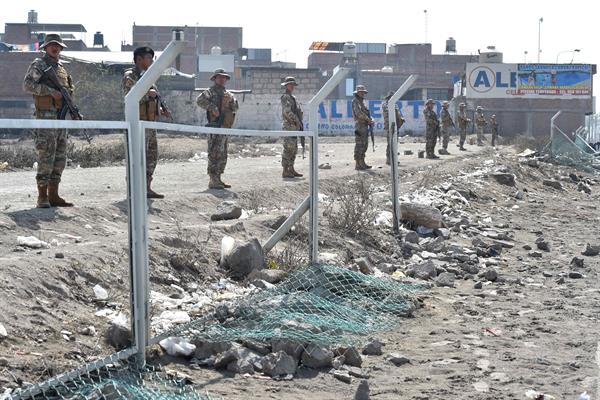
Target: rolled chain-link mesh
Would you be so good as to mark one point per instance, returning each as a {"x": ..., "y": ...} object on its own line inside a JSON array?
[
  {"x": 121, "y": 381},
  {"x": 321, "y": 304}
]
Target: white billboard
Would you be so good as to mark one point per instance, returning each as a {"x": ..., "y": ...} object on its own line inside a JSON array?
[{"x": 534, "y": 81}]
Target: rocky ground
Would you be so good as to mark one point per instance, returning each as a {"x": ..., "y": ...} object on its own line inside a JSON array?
[{"x": 511, "y": 304}]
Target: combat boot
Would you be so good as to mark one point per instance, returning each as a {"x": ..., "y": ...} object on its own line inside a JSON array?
[
  {"x": 215, "y": 183},
  {"x": 42, "y": 200},
  {"x": 151, "y": 194},
  {"x": 225, "y": 185},
  {"x": 359, "y": 165},
  {"x": 296, "y": 173},
  {"x": 54, "y": 199},
  {"x": 287, "y": 173},
  {"x": 365, "y": 165}
]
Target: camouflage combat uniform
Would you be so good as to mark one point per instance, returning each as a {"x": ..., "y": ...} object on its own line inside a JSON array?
[
  {"x": 386, "y": 124},
  {"x": 480, "y": 122},
  {"x": 292, "y": 121},
  {"x": 361, "y": 115},
  {"x": 50, "y": 144},
  {"x": 463, "y": 123},
  {"x": 212, "y": 99},
  {"x": 432, "y": 127},
  {"x": 494, "y": 124},
  {"x": 446, "y": 123},
  {"x": 149, "y": 111}
]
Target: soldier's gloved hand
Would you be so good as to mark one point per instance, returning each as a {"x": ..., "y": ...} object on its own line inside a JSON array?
[
  {"x": 165, "y": 112},
  {"x": 56, "y": 95},
  {"x": 152, "y": 93},
  {"x": 215, "y": 112}
]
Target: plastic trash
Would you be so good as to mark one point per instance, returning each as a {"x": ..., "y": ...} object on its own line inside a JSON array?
[
  {"x": 32, "y": 242},
  {"x": 535, "y": 395},
  {"x": 100, "y": 293},
  {"x": 584, "y": 396},
  {"x": 227, "y": 244},
  {"x": 176, "y": 346}
]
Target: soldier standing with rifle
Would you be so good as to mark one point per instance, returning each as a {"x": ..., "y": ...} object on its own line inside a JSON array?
[
  {"x": 446, "y": 122},
  {"x": 463, "y": 123},
  {"x": 151, "y": 107},
  {"x": 480, "y": 122},
  {"x": 386, "y": 123},
  {"x": 362, "y": 123},
  {"x": 292, "y": 121},
  {"x": 220, "y": 106},
  {"x": 432, "y": 129},
  {"x": 51, "y": 86},
  {"x": 494, "y": 124}
]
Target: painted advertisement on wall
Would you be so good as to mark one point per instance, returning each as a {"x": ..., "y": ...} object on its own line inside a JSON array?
[
  {"x": 335, "y": 116},
  {"x": 547, "y": 81}
]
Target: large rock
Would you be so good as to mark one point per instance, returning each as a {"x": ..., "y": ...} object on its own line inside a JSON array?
[
  {"x": 268, "y": 275},
  {"x": 591, "y": 251},
  {"x": 317, "y": 356},
  {"x": 397, "y": 359},
  {"x": 279, "y": 363},
  {"x": 244, "y": 258},
  {"x": 362, "y": 392},
  {"x": 421, "y": 214},
  {"x": 351, "y": 355},
  {"x": 373, "y": 348},
  {"x": 118, "y": 334},
  {"x": 504, "y": 178},
  {"x": 552, "y": 183},
  {"x": 289, "y": 347},
  {"x": 226, "y": 210},
  {"x": 207, "y": 349},
  {"x": 445, "y": 279},
  {"x": 425, "y": 270}
]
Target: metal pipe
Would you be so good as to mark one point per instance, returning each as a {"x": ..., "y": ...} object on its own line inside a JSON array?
[
  {"x": 136, "y": 195},
  {"x": 287, "y": 225},
  {"x": 60, "y": 124},
  {"x": 553, "y": 124},
  {"x": 313, "y": 120},
  {"x": 219, "y": 131},
  {"x": 394, "y": 148}
]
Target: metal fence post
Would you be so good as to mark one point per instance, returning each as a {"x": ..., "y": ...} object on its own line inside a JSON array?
[
  {"x": 313, "y": 119},
  {"x": 394, "y": 148},
  {"x": 136, "y": 195}
]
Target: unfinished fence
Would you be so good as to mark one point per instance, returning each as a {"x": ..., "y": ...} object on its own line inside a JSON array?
[{"x": 341, "y": 306}]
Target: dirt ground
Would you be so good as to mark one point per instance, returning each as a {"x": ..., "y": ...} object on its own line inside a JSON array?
[{"x": 535, "y": 327}]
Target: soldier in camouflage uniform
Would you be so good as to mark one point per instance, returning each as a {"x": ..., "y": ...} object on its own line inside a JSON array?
[
  {"x": 432, "y": 128},
  {"x": 362, "y": 120},
  {"x": 480, "y": 123},
  {"x": 50, "y": 144},
  {"x": 386, "y": 123},
  {"x": 292, "y": 121},
  {"x": 150, "y": 110},
  {"x": 446, "y": 122},
  {"x": 463, "y": 123},
  {"x": 494, "y": 124},
  {"x": 220, "y": 106}
]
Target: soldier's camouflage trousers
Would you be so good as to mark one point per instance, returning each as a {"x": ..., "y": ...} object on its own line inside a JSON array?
[
  {"x": 463, "y": 136},
  {"x": 51, "y": 147},
  {"x": 445, "y": 137},
  {"x": 494, "y": 138},
  {"x": 151, "y": 153},
  {"x": 430, "y": 141},
  {"x": 480, "y": 134},
  {"x": 361, "y": 141},
  {"x": 217, "y": 154},
  {"x": 290, "y": 149}
]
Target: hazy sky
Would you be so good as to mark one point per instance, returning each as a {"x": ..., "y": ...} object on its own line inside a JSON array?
[{"x": 289, "y": 27}]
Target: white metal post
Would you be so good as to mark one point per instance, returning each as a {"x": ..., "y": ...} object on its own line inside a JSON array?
[
  {"x": 313, "y": 120},
  {"x": 136, "y": 195},
  {"x": 394, "y": 147}
]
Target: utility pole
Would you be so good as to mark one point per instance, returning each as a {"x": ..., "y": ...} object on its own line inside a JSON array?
[{"x": 425, "y": 13}]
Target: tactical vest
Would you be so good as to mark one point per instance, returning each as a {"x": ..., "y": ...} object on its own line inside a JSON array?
[
  {"x": 47, "y": 103},
  {"x": 149, "y": 110}
]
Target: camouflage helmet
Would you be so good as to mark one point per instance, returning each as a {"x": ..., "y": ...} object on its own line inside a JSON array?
[
  {"x": 361, "y": 89},
  {"x": 220, "y": 72},
  {"x": 445, "y": 103},
  {"x": 389, "y": 95},
  {"x": 462, "y": 105},
  {"x": 53, "y": 38},
  {"x": 429, "y": 101},
  {"x": 493, "y": 115},
  {"x": 479, "y": 108},
  {"x": 289, "y": 80}
]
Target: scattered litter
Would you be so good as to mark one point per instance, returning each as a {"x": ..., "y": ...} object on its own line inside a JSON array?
[
  {"x": 32, "y": 242},
  {"x": 176, "y": 346},
  {"x": 325, "y": 166},
  {"x": 384, "y": 218},
  {"x": 3, "y": 332},
  {"x": 535, "y": 395},
  {"x": 100, "y": 293}
]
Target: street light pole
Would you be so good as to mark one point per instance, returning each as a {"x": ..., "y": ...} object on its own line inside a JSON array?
[
  {"x": 525, "y": 54},
  {"x": 568, "y": 51},
  {"x": 539, "y": 38}
]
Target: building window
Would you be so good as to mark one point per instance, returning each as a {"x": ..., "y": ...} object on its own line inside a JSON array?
[
  {"x": 413, "y": 94},
  {"x": 439, "y": 94}
]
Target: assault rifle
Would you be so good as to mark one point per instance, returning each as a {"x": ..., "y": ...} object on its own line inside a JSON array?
[{"x": 68, "y": 106}]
